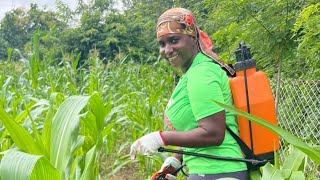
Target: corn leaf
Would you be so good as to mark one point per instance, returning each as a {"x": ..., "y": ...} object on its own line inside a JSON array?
[
  {"x": 34, "y": 61},
  {"x": 9, "y": 51},
  {"x": 255, "y": 175},
  {"x": 19, "y": 135},
  {"x": 46, "y": 132},
  {"x": 38, "y": 139},
  {"x": 89, "y": 125},
  {"x": 98, "y": 110},
  {"x": 270, "y": 173},
  {"x": 108, "y": 129},
  {"x": 75, "y": 173},
  {"x": 19, "y": 165},
  {"x": 18, "y": 119},
  {"x": 64, "y": 133},
  {"x": 295, "y": 141},
  {"x": 47, "y": 125},
  {"x": 294, "y": 160},
  {"x": 78, "y": 144},
  {"x": 297, "y": 175},
  {"x": 276, "y": 158},
  {"x": 91, "y": 157}
]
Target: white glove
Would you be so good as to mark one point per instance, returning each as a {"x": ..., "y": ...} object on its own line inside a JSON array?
[
  {"x": 147, "y": 144},
  {"x": 171, "y": 177},
  {"x": 174, "y": 162},
  {"x": 170, "y": 161}
]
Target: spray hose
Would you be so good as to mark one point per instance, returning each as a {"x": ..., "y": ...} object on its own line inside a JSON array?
[{"x": 252, "y": 161}]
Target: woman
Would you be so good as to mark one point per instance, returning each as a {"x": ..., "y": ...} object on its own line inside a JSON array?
[{"x": 197, "y": 124}]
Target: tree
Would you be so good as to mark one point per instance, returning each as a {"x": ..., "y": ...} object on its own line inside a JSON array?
[
  {"x": 306, "y": 32},
  {"x": 90, "y": 32},
  {"x": 265, "y": 25},
  {"x": 18, "y": 27},
  {"x": 12, "y": 31}
]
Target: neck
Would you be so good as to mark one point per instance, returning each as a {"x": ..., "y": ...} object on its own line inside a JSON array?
[{"x": 187, "y": 66}]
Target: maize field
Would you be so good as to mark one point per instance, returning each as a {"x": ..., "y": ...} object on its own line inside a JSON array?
[{"x": 61, "y": 119}]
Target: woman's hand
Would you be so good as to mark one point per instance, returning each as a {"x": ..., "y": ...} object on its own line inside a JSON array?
[
  {"x": 147, "y": 144},
  {"x": 168, "y": 167}
]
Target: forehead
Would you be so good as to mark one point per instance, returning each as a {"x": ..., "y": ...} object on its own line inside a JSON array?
[
  {"x": 170, "y": 27},
  {"x": 167, "y": 37}
]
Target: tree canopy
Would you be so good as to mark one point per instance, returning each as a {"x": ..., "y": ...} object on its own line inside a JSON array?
[{"x": 283, "y": 35}]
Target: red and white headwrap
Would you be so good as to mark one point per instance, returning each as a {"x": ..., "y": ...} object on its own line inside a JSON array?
[{"x": 170, "y": 22}]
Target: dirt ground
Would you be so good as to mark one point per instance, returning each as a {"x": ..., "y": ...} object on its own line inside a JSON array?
[{"x": 126, "y": 173}]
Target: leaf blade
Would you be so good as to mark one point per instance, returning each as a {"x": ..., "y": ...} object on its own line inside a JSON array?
[{"x": 295, "y": 141}]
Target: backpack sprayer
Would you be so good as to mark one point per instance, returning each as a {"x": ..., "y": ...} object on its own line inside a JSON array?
[{"x": 251, "y": 92}]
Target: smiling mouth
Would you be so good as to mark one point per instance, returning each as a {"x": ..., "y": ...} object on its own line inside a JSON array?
[{"x": 172, "y": 58}]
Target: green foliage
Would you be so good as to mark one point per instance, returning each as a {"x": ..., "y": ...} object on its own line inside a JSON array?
[
  {"x": 18, "y": 26},
  {"x": 294, "y": 165},
  {"x": 3, "y": 48},
  {"x": 283, "y": 34},
  {"x": 306, "y": 32},
  {"x": 19, "y": 165},
  {"x": 12, "y": 30},
  {"x": 19, "y": 135},
  {"x": 104, "y": 122},
  {"x": 293, "y": 140},
  {"x": 268, "y": 27},
  {"x": 60, "y": 135},
  {"x": 110, "y": 55},
  {"x": 65, "y": 123}
]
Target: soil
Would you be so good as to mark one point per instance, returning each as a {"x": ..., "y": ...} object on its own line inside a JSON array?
[{"x": 126, "y": 173}]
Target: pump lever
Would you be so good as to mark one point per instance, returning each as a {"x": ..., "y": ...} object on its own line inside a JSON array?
[{"x": 245, "y": 51}]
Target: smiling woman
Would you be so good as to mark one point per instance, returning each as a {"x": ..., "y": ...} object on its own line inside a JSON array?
[
  {"x": 180, "y": 22},
  {"x": 197, "y": 124},
  {"x": 178, "y": 49}
]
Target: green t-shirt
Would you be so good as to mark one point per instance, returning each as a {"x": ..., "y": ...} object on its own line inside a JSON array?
[{"x": 191, "y": 101}]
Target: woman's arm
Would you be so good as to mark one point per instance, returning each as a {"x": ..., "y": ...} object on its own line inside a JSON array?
[{"x": 210, "y": 132}]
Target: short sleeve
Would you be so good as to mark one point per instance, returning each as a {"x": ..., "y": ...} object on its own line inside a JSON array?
[{"x": 204, "y": 85}]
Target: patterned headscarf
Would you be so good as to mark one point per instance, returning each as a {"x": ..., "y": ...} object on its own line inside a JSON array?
[{"x": 171, "y": 21}]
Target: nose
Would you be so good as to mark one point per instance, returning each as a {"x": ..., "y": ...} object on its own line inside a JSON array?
[{"x": 166, "y": 51}]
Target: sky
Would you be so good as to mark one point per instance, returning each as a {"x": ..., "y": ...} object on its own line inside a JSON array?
[{"x": 7, "y": 5}]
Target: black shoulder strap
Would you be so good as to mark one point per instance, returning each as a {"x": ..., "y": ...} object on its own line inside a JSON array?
[{"x": 245, "y": 149}]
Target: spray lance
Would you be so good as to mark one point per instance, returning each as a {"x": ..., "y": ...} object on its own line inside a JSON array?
[{"x": 173, "y": 171}]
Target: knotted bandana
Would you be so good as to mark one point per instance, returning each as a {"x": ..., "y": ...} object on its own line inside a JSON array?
[{"x": 180, "y": 20}]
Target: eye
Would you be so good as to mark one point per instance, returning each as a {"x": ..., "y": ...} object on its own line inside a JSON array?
[
  {"x": 161, "y": 44},
  {"x": 174, "y": 40}
]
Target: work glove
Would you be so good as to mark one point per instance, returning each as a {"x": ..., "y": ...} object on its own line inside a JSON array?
[
  {"x": 167, "y": 168},
  {"x": 147, "y": 144},
  {"x": 171, "y": 177}
]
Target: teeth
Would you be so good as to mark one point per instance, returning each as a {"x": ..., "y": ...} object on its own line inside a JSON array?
[{"x": 172, "y": 58}]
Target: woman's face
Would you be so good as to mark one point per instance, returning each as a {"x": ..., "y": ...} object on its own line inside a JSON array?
[{"x": 178, "y": 49}]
